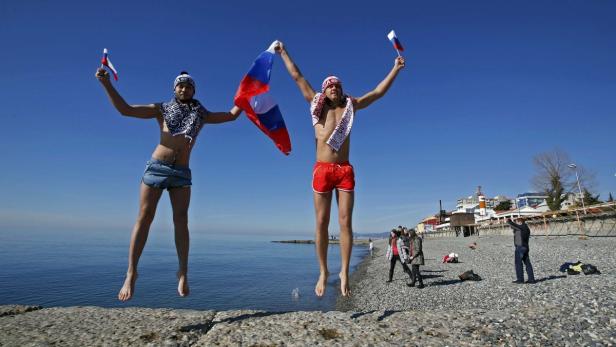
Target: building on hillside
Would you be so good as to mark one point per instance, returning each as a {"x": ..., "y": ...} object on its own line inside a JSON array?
[
  {"x": 572, "y": 201},
  {"x": 530, "y": 199},
  {"x": 481, "y": 206}
]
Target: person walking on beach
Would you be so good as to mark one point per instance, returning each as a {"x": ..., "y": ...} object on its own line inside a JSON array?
[
  {"x": 371, "y": 246},
  {"x": 332, "y": 114},
  {"x": 179, "y": 121},
  {"x": 521, "y": 235},
  {"x": 396, "y": 252},
  {"x": 416, "y": 258}
]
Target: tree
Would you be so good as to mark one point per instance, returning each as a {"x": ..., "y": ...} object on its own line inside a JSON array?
[
  {"x": 503, "y": 206},
  {"x": 589, "y": 199},
  {"x": 555, "y": 178},
  {"x": 555, "y": 193},
  {"x": 552, "y": 176}
]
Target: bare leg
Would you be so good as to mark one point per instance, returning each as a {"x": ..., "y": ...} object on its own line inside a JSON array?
[
  {"x": 148, "y": 199},
  {"x": 345, "y": 219},
  {"x": 180, "y": 199},
  {"x": 322, "y": 207}
]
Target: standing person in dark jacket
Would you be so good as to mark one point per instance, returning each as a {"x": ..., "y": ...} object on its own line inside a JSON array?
[
  {"x": 416, "y": 258},
  {"x": 396, "y": 252},
  {"x": 521, "y": 234}
]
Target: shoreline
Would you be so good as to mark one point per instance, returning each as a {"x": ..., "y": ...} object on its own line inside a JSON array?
[
  {"x": 558, "y": 310},
  {"x": 331, "y": 242},
  {"x": 360, "y": 273}
]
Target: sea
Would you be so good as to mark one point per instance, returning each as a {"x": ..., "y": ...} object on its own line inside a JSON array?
[{"x": 227, "y": 271}]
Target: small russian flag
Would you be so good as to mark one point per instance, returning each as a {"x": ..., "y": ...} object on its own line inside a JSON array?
[
  {"x": 394, "y": 40},
  {"x": 105, "y": 61}
]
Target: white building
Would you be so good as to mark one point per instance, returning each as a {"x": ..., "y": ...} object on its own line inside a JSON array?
[
  {"x": 470, "y": 204},
  {"x": 530, "y": 199}
]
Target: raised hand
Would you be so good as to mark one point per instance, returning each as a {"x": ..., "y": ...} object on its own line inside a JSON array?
[
  {"x": 102, "y": 74},
  {"x": 279, "y": 47},
  {"x": 399, "y": 63}
]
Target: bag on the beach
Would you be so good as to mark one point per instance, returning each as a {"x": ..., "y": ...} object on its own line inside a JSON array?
[
  {"x": 572, "y": 272},
  {"x": 590, "y": 269},
  {"x": 572, "y": 268},
  {"x": 565, "y": 266},
  {"x": 469, "y": 276},
  {"x": 577, "y": 267}
]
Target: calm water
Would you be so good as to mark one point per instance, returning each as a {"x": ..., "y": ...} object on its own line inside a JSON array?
[{"x": 71, "y": 268}]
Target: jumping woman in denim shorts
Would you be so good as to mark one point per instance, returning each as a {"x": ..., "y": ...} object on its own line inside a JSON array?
[{"x": 180, "y": 121}]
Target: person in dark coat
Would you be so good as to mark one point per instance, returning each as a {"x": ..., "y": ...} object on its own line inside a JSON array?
[
  {"x": 416, "y": 258},
  {"x": 521, "y": 235}
]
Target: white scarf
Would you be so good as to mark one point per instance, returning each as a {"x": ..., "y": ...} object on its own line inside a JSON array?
[{"x": 343, "y": 129}]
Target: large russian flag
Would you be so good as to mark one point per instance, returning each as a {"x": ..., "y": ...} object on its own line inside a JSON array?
[{"x": 254, "y": 98}]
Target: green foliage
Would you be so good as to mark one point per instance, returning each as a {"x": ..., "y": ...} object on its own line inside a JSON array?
[
  {"x": 589, "y": 199},
  {"x": 503, "y": 206}
]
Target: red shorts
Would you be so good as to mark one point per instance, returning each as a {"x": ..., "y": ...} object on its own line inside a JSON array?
[{"x": 327, "y": 176}]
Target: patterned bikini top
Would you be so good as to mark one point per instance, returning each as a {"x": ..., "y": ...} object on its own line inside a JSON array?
[
  {"x": 343, "y": 129},
  {"x": 182, "y": 118}
]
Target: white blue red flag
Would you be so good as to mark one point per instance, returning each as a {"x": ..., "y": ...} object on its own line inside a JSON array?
[
  {"x": 105, "y": 61},
  {"x": 394, "y": 40},
  {"x": 254, "y": 98}
]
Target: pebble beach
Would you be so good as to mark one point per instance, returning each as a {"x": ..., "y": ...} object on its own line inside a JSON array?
[{"x": 559, "y": 310}]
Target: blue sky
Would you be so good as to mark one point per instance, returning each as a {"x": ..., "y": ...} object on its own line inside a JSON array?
[{"x": 488, "y": 85}]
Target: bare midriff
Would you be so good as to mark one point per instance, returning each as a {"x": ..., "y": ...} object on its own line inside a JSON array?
[
  {"x": 323, "y": 130},
  {"x": 173, "y": 149}
]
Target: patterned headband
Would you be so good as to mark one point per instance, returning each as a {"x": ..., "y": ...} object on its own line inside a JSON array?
[
  {"x": 329, "y": 81},
  {"x": 184, "y": 78}
]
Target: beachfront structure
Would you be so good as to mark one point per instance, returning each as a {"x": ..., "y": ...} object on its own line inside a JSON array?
[
  {"x": 526, "y": 211},
  {"x": 463, "y": 223},
  {"x": 530, "y": 199},
  {"x": 479, "y": 205},
  {"x": 460, "y": 223},
  {"x": 427, "y": 225},
  {"x": 470, "y": 204},
  {"x": 572, "y": 201},
  {"x": 478, "y": 209},
  {"x": 527, "y": 205}
]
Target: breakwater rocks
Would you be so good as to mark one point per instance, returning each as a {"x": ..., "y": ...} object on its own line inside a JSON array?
[{"x": 557, "y": 311}]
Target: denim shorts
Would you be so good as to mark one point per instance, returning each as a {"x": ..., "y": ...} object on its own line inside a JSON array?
[{"x": 163, "y": 175}]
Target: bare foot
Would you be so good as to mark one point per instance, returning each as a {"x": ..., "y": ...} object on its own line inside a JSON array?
[
  {"x": 344, "y": 284},
  {"x": 126, "y": 293},
  {"x": 183, "y": 289},
  {"x": 319, "y": 289}
]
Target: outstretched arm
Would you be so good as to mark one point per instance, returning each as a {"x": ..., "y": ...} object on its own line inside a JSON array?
[
  {"x": 139, "y": 111},
  {"x": 297, "y": 76},
  {"x": 514, "y": 225},
  {"x": 222, "y": 117},
  {"x": 381, "y": 89}
]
